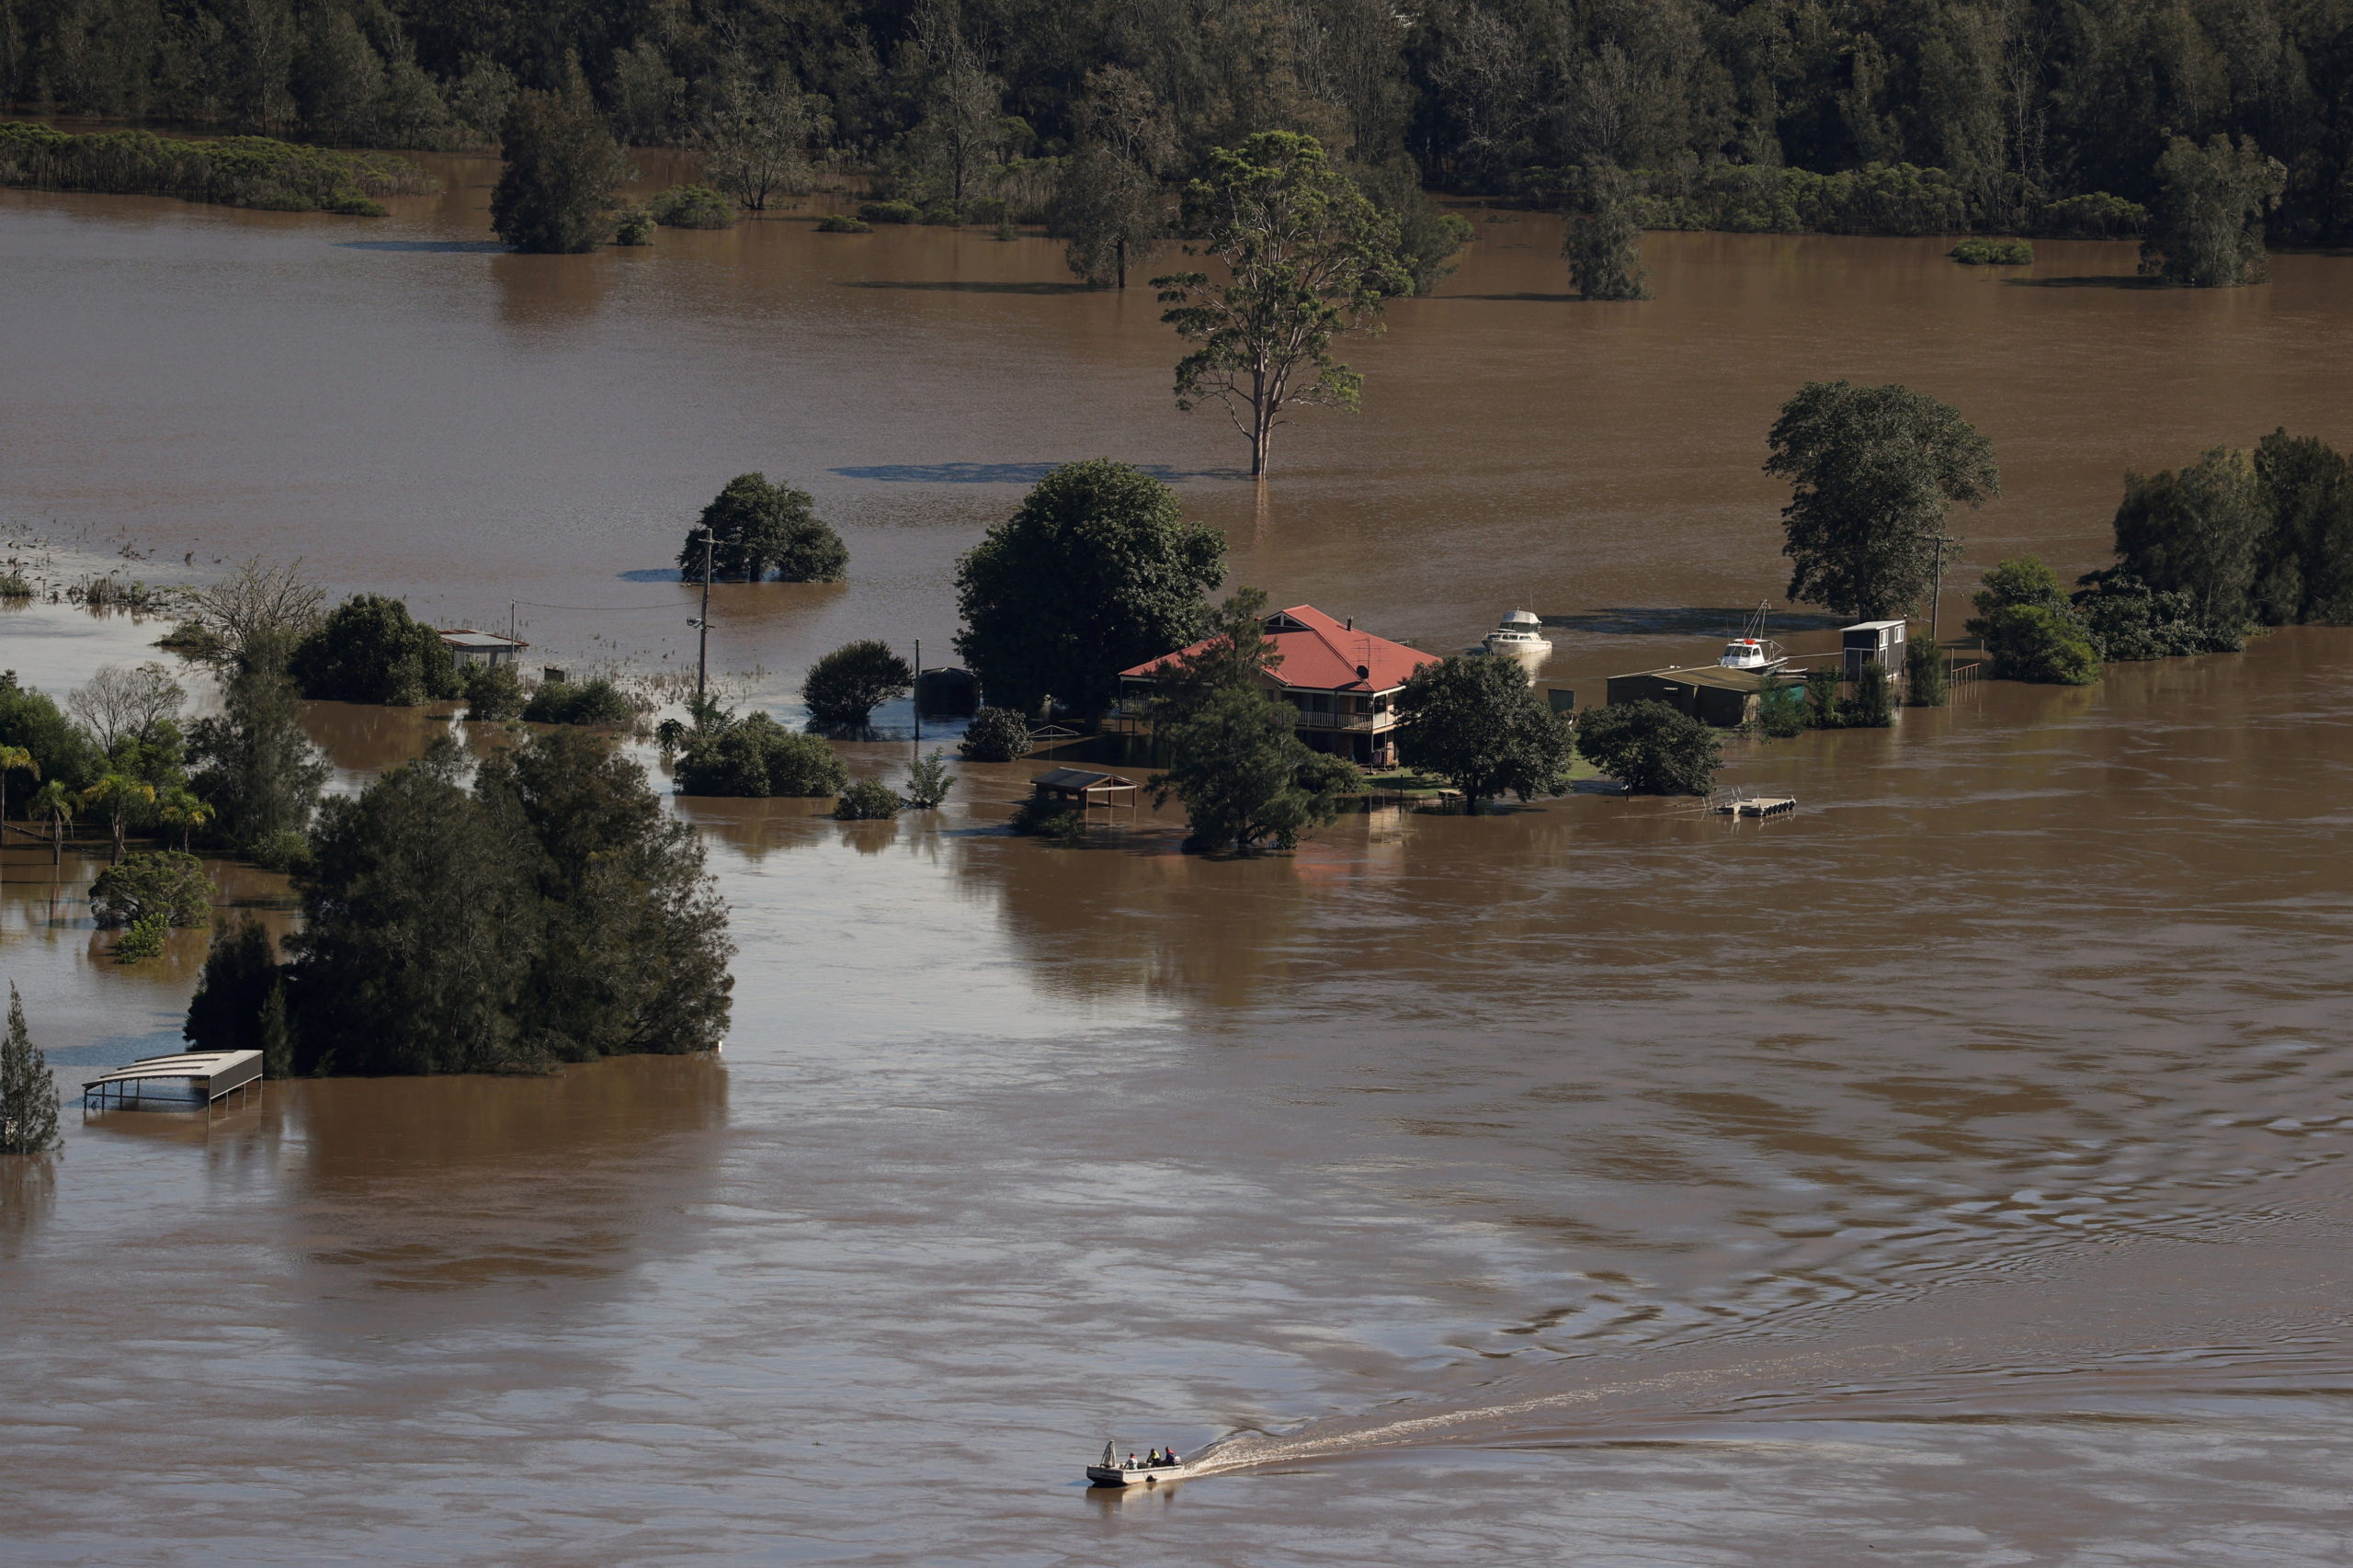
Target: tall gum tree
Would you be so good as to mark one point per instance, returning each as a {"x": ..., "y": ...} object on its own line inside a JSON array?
[{"x": 1306, "y": 258}]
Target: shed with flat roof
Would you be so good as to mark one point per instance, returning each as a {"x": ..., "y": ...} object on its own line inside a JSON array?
[
  {"x": 1710, "y": 693},
  {"x": 182, "y": 1079},
  {"x": 1083, "y": 787}
]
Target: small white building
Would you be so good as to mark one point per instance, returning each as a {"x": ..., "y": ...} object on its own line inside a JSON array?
[{"x": 470, "y": 647}]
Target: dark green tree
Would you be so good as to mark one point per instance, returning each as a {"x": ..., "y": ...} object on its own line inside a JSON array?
[
  {"x": 33, "y": 720},
  {"x": 1603, "y": 241},
  {"x": 1651, "y": 748},
  {"x": 1096, "y": 572},
  {"x": 996, "y": 735},
  {"x": 757, "y": 530},
  {"x": 2127, "y": 620},
  {"x": 1244, "y": 776},
  {"x": 2306, "y": 573},
  {"x": 562, "y": 180},
  {"x": 2199, "y": 530},
  {"x": 254, "y": 766},
  {"x": 28, "y": 1091},
  {"x": 755, "y": 755},
  {"x": 368, "y": 648},
  {"x": 1306, "y": 258},
  {"x": 2030, "y": 630},
  {"x": 1428, "y": 236},
  {"x": 1873, "y": 470},
  {"x": 634, "y": 948},
  {"x": 1873, "y": 705},
  {"x": 167, "y": 882},
  {"x": 2206, "y": 224},
  {"x": 1109, "y": 213},
  {"x": 1476, "y": 723},
  {"x": 494, "y": 692},
  {"x": 1928, "y": 674},
  {"x": 240, "y": 973},
  {"x": 846, "y": 684},
  {"x": 929, "y": 781}
]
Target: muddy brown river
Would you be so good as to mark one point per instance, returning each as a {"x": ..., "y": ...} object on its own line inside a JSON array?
[{"x": 1952, "y": 1173}]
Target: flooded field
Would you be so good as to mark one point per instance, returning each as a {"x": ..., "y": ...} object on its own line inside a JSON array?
[{"x": 1952, "y": 1173}]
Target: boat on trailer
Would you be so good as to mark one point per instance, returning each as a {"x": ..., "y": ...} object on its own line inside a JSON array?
[{"x": 1114, "y": 1472}]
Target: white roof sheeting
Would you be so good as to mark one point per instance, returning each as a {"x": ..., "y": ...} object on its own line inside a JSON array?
[{"x": 213, "y": 1073}]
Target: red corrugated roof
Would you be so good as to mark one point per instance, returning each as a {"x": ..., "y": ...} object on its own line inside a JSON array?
[{"x": 1321, "y": 654}]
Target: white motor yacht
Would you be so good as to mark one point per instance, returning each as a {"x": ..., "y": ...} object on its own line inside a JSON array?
[{"x": 1521, "y": 635}]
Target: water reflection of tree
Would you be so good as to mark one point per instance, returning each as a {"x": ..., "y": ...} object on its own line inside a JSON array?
[
  {"x": 444, "y": 1183},
  {"x": 28, "y": 1189}
]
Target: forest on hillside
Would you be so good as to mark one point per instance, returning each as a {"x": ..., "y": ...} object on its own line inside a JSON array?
[{"x": 2015, "y": 104}]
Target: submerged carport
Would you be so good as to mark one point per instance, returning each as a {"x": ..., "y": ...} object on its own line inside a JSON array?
[{"x": 183, "y": 1078}]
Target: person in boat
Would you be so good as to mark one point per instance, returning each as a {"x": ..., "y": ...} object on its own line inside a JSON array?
[
  {"x": 1170, "y": 1458},
  {"x": 1132, "y": 1460}
]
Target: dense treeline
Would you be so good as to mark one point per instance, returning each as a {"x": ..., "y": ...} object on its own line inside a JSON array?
[
  {"x": 2011, "y": 105},
  {"x": 235, "y": 171}
]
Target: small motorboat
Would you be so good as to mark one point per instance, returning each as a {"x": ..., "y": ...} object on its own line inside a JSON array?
[
  {"x": 1751, "y": 650},
  {"x": 1521, "y": 635},
  {"x": 1116, "y": 1472}
]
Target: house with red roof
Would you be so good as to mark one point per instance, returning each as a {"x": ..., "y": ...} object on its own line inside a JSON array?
[{"x": 1344, "y": 683}]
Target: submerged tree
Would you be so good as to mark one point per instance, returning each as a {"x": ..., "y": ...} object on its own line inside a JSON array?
[
  {"x": 846, "y": 684},
  {"x": 2307, "y": 570},
  {"x": 2206, "y": 225},
  {"x": 2030, "y": 631},
  {"x": 1604, "y": 243},
  {"x": 756, "y": 140},
  {"x": 2199, "y": 530},
  {"x": 1476, "y": 723},
  {"x": 28, "y": 1091},
  {"x": 1097, "y": 570},
  {"x": 1872, "y": 472},
  {"x": 240, "y": 973},
  {"x": 1651, "y": 748},
  {"x": 1108, "y": 204},
  {"x": 369, "y": 649},
  {"x": 758, "y": 529},
  {"x": 256, "y": 766},
  {"x": 564, "y": 174},
  {"x": 1307, "y": 258},
  {"x": 755, "y": 756}
]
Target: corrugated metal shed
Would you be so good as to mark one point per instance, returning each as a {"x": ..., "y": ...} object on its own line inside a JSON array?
[
  {"x": 1710, "y": 693},
  {"x": 183, "y": 1078}
]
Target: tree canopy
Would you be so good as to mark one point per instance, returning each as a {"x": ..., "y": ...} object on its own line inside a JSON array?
[
  {"x": 550, "y": 914},
  {"x": 757, "y": 530},
  {"x": 1872, "y": 472},
  {"x": 1650, "y": 747},
  {"x": 561, "y": 183},
  {"x": 1096, "y": 571},
  {"x": 2030, "y": 630},
  {"x": 1306, "y": 257},
  {"x": 755, "y": 756},
  {"x": 28, "y": 1092},
  {"x": 2206, "y": 224},
  {"x": 1473, "y": 720},
  {"x": 846, "y": 686},
  {"x": 369, "y": 649}
]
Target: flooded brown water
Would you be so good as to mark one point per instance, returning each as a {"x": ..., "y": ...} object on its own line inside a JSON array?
[{"x": 1952, "y": 1173}]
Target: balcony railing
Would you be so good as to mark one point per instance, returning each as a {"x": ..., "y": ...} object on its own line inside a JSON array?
[{"x": 1139, "y": 715}]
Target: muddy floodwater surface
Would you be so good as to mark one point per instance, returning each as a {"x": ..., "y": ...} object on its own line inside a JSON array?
[{"x": 1952, "y": 1173}]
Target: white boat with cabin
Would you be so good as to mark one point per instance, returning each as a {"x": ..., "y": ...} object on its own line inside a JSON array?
[
  {"x": 1751, "y": 650},
  {"x": 1520, "y": 635}
]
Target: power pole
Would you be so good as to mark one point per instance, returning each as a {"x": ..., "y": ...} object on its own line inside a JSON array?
[
  {"x": 919, "y": 703},
  {"x": 1937, "y": 594},
  {"x": 702, "y": 632}
]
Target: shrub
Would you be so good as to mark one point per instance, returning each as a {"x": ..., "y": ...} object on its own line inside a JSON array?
[
  {"x": 1927, "y": 675},
  {"x": 692, "y": 206},
  {"x": 635, "y": 228},
  {"x": 996, "y": 735},
  {"x": 235, "y": 171},
  {"x": 1042, "y": 818},
  {"x": 143, "y": 939},
  {"x": 494, "y": 692},
  {"x": 285, "y": 850},
  {"x": 595, "y": 702},
  {"x": 1821, "y": 707},
  {"x": 1873, "y": 705},
  {"x": 1780, "y": 712},
  {"x": 869, "y": 799},
  {"x": 1992, "y": 253},
  {"x": 929, "y": 781},
  {"x": 1651, "y": 748},
  {"x": 843, "y": 224},
  {"x": 2095, "y": 215},
  {"x": 13, "y": 585},
  {"x": 2127, "y": 620},
  {"x": 757, "y": 757},
  {"x": 888, "y": 212},
  {"x": 166, "y": 884},
  {"x": 846, "y": 684},
  {"x": 2033, "y": 642}
]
